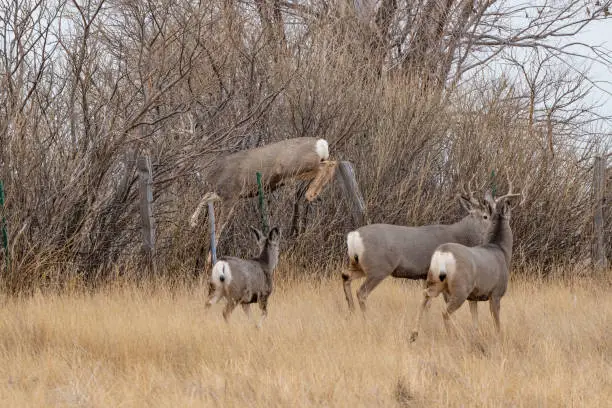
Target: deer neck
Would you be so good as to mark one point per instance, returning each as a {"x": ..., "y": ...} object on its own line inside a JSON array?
[
  {"x": 269, "y": 257},
  {"x": 500, "y": 234},
  {"x": 466, "y": 233}
]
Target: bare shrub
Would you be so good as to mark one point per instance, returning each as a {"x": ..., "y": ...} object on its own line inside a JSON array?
[{"x": 183, "y": 83}]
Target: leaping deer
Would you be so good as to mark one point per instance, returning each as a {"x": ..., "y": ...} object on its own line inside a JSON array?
[
  {"x": 233, "y": 177},
  {"x": 378, "y": 250}
]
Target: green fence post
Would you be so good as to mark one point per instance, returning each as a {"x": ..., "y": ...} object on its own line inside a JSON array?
[{"x": 262, "y": 204}]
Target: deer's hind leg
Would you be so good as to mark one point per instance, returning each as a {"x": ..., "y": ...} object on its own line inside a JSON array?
[
  {"x": 494, "y": 305},
  {"x": 246, "y": 307},
  {"x": 429, "y": 293},
  {"x": 214, "y": 294},
  {"x": 453, "y": 303},
  {"x": 474, "y": 313},
  {"x": 229, "y": 308},
  {"x": 368, "y": 286},
  {"x": 422, "y": 308},
  {"x": 222, "y": 219},
  {"x": 350, "y": 274}
]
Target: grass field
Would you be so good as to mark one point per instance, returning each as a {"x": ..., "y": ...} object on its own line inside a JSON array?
[{"x": 130, "y": 347}]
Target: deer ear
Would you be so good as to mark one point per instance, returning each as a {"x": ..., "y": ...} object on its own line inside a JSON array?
[
  {"x": 257, "y": 233},
  {"x": 466, "y": 203},
  {"x": 489, "y": 205},
  {"x": 507, "y": 207},
  {"x": 274, "y": 234},
  {"x": 490, "y": 208},
  {"x": 502, "y": 207}
]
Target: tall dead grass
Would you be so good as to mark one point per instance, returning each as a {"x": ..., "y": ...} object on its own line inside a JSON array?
[{"x": 127, "y": 346}]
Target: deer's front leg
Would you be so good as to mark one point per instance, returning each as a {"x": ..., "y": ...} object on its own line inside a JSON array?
[
  {"x": 474, "y": 312},
  {"x": 263, "y": 305},
  {"x": 221, "y": 223}
]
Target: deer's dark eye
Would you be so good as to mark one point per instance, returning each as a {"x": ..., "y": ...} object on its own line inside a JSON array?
[{"x": 486, "y": 217}]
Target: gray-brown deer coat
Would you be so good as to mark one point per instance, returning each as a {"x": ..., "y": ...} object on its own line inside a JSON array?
[
  {"x": 377, "y": 251},
  {"x": 474, "y": 274},
  {"x": 246, "y": 281},
  {"x": 233, "y": 177}
]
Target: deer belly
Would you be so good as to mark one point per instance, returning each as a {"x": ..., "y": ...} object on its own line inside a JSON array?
[
  {"x": 409, "y": 273},
  {"x": 479, "y": 296},
  {"x": 250, "y": 298}
]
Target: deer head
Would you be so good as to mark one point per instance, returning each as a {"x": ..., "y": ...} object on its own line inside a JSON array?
[
  {"x": 478, "y": 219},
  {"x": 501, "y": 205}
]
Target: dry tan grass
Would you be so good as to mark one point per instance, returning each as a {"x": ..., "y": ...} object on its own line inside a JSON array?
[{"x": 134, "y": 347}]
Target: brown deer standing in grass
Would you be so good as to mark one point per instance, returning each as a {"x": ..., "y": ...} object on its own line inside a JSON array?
[
  {"x": 234, "y": 176},
  {"x": 378, "y": 250},
  {"x": 474, "y": 274},
  {"x": 246, "y": 281}
]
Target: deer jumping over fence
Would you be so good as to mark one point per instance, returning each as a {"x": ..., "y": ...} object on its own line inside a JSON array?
[
  {"x": 378, "y": 250},
  {"x": 233, "y": 177},
  {"x": 474, "y": 274}
]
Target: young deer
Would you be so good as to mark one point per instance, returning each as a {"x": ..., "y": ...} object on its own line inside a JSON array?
[
  {"x": 243, "y": 281},
  {"x": 378, "y": 250},
  {"x": 474, "y": 274}
]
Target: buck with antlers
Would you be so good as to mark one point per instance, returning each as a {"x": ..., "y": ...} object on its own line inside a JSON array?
[
  {"x": 474, "y": 274},
  {"x": 378, "y": 250}
]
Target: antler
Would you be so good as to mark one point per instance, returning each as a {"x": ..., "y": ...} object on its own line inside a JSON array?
[
  {"x": 473, "y": 199},
  {"x": 525, "y": 191},
  {"x": 509, "y": 194}
]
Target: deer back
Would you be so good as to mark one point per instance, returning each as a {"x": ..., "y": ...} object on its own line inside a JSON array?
[
  {"x": 480, "y": 271},
  {"x": 247, "y": 275},
  {"x": 234, "y": 176},
  {"x": 405, "y": 249}
]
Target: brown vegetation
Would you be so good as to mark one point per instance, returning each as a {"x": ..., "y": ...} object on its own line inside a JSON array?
[
  {"x": 157, "y": 347},
  {"x": 85, "y": 90},
  {"x": 412, "y": 93}
]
